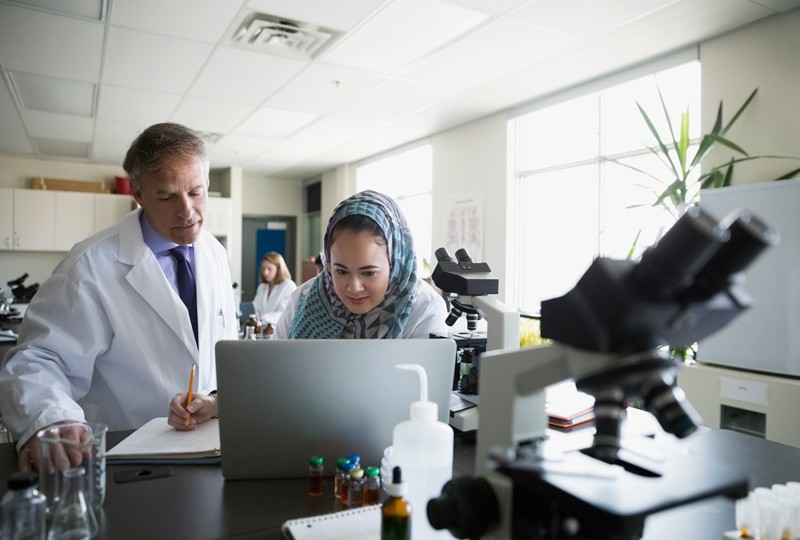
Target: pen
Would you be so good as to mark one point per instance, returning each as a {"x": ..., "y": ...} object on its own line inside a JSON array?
[{"x": 189, "y": 393}]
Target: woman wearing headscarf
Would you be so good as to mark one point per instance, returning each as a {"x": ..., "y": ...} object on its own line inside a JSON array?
[{"x": 369, "y": 288}]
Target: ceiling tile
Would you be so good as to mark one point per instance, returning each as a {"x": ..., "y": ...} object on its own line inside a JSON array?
[
  {"x": 322, "y": 88},
  {"x": 244, "y": 76},
  {"x": 495, "y": 7},
  {"x": 275, "y": 123},
  {"x": 399, "y": 35},
  {"x": 13, "y": 139},
  {"x": 197, "y": 20},
  {"x": 595, "y": 17},
  {"x": 498, "y": 48},
  {"x": 58, "y": 126},
  {"x": 392, "y": 101},
  {"x": 5, "y": 98},
  {"x": 140, "y": 106},
  {"x": 239, "y": 148},
  {"x": 53, "y": 94},
  {"x": 210, "y": 115},
  {"x": 46, "y": 44},
  {"x": 119, "y": 134},
  {"x": 111, "y": 154},
  {"x": 150, "y": 62},
  {"x": 323, "y": 13}
]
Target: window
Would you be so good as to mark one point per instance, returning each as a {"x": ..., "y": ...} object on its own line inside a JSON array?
[
  {"x": 407, "y": 177},
  {"x": 575, "y": 200}
]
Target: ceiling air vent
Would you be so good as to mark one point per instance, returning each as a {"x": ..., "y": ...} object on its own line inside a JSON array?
[{"x": 271, "y": 34}]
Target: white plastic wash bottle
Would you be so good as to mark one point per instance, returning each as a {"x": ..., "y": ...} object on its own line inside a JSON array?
[{"x": 423, "y": 448}]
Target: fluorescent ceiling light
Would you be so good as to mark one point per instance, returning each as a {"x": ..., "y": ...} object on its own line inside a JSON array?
[
  {"x": 62, "y": 149},
  {"x": 53, "y": 94},
  {"x": 87, "y": 9}
]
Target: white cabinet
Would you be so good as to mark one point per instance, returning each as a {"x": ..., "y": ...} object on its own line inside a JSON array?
[
  {"x": 218, "y": 216},
  {"x": 74, "y": 218},
  {"x": 40, "y": 220},
  {"x": 6, "y": 218},
  {"x": 109, "y": 209},
  {"x": 34, "y": 220}
]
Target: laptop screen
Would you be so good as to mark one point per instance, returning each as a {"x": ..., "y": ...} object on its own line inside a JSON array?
[{"x": 283, "y": 401}]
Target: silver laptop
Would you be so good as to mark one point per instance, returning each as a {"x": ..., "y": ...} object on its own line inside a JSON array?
[{"x": 283, "y": 401}]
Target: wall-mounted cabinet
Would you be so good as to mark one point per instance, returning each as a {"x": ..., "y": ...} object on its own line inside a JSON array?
[{"x": 39, "y": 220}]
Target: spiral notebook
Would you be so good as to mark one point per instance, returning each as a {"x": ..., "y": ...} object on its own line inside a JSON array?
[{"x": 355, "y": 524}]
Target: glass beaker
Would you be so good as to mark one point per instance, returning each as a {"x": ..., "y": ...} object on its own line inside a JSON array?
[{"x": 74, "y": 444}]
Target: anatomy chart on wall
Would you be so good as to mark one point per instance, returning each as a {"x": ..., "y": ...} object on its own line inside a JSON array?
[{"x": 464, "y": 224}]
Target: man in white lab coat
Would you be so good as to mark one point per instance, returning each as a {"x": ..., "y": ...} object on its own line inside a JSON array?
[{"x": 107, "y": 337}]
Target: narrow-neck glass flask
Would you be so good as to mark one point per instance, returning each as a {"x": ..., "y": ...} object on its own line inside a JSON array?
[{"x": 73, "y": 519}]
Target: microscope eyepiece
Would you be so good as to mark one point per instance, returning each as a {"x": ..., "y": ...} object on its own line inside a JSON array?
[
  {"x": 463, "y": 256},
  {"x": 749, "y": 236},
  {"x": 443, "y": 256},
  {"x": 669, "y": 267}
]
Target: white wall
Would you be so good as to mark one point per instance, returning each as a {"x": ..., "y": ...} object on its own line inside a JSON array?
[
  {"x": 765, "y": 55},
  {"x": 472, "y": 158}
]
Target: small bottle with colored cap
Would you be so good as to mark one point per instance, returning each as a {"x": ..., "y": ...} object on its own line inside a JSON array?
[
  {"x": 337, "y": 479},
  {"x": 372, "y": 486},
  {"x": 316, "y": 478},
  {"x": 356, "y": 492},
  {"x": 344, "y": 486}
]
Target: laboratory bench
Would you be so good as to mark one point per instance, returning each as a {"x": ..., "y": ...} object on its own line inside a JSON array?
[{"x": 198, "y": 503}]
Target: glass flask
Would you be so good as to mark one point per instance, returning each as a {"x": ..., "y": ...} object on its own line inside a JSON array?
[{"x": 74, "y": 518}]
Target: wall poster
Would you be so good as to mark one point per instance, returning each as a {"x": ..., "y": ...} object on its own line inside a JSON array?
[{"x": 464, "y": 224}]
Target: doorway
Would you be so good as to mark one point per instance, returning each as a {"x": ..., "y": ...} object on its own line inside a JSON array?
[{"x": 261, "y": 234}]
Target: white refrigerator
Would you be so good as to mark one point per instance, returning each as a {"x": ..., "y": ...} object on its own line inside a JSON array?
[{"x": 765, "y": 338}]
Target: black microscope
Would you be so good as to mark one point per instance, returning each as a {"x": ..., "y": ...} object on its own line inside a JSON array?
[{"x": 611, "y": 334}]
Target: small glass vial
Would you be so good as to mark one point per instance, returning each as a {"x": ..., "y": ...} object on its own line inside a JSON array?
[
  {"x": 356, "y": 492},
  {"x": 344, "y": 486},
  {"x": 337, "y": 479},
  {"x": 24, "y": 508},
  {"x": 396, "y": 510},
  {"x": 74, "y": 517},
  {"x": 268, "y": 331},
  {"x": 316, "y": 478},
  {"x": 372, "y": 486},
  {"x": 252, "y": 327}
]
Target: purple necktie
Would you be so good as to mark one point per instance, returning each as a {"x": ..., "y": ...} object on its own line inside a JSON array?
[{"x": 186, "y": 285}]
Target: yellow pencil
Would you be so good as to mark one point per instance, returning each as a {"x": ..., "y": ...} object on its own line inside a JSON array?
[{"x": 189, "y": 393}]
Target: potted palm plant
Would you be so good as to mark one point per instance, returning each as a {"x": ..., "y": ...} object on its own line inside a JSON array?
[
  {"x": 682, "y": 183},
  {"x": 682, "y": 160}
]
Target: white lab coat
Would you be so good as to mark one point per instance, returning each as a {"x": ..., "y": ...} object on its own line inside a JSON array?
[
  {"x": 107, "y": 339},
  {"x": 270, "y": 305},
  {"x": 427, "y": 317}
]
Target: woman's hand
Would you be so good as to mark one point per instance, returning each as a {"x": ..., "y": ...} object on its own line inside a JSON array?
[{"x": 201, "y": 409}]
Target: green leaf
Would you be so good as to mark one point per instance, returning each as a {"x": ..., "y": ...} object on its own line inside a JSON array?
[
  {"x": 739, "y": 112},
  {"x": 790, "y": 174},
  {"x": 684, "y": 142},
  {"x": 661, "y": 145}
]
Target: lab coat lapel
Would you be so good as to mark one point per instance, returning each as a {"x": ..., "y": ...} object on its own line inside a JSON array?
[{"x": 148, "y": 279}]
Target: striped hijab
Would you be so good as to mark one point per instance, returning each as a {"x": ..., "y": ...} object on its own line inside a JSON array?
[{"x": 320, "y": 313}]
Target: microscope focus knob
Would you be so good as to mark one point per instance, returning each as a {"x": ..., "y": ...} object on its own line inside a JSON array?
[{"x": 467, "y": 508}]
